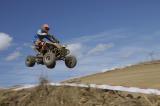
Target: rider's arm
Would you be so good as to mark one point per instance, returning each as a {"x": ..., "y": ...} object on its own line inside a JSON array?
[{"x": 53, "y": 39}]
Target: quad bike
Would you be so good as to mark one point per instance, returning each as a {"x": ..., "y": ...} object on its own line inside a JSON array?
[{"x": 50, "y": 55}]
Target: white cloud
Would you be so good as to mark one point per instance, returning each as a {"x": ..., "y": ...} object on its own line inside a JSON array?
[
  {"x": 75, "y": 48},
  {"x": 128, "y": 54},
  {"x": 102, "y": 36},
  {"x": 100, "y": 48},
  {"x": 13, "y": 56},
  {"x": 129, "y": 51},
  {"x": 28, "y": 45},
  {"x": 5, "y": 41}
]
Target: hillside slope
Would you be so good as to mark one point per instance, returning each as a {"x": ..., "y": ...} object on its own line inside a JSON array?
[{"x": 144, "y": 75}]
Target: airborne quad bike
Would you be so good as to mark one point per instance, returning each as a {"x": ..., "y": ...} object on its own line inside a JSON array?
[{"x": 50, "y": 55}]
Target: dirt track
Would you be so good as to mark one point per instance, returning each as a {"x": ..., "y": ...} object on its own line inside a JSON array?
[{"x": 146, "y": 75}]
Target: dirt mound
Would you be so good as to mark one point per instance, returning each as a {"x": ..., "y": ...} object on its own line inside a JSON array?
[{"x": 46, "y": 95}]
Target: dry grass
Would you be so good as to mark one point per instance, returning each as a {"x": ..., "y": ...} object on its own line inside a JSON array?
[
  {"x": 144, "y": 75},
  {"x": 46, "y": 95}
]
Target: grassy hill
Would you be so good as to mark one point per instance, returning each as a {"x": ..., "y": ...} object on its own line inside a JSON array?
[{"x": 144, "y": 75}]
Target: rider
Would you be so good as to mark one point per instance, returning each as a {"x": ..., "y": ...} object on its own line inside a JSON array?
[{"x": 42, "y": 34}]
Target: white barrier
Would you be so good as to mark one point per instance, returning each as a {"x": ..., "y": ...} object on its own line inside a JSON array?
[{"x": 107, "y": 87}]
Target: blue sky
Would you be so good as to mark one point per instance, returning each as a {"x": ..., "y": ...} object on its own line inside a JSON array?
[{"x": 102, "y": 34}]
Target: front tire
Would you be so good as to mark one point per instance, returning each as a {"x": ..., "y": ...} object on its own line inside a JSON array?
[
  {"x": 51, "y": 66},
  {"x": 30, "y": 61},
  {"x": 49, "y": 60},
  {"x": 70, "y": 61}
]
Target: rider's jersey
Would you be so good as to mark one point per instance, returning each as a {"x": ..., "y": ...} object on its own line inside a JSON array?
[{"x": 42, "y": 35}]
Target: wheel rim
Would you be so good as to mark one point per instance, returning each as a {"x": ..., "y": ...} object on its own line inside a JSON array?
[
  {"x": 71, "y": 62},
  {"x": 48, "y": 58},
  {"x": 28, "y": 61}
]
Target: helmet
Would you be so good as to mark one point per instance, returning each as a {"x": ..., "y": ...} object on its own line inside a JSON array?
[{"x": 45, "y": 27}]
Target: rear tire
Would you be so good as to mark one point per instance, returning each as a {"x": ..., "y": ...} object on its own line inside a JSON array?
[
  {"x": 49, "y": 60},
  {"x": 70, "y": 61},
  {"x": 30, "y": 61}
]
